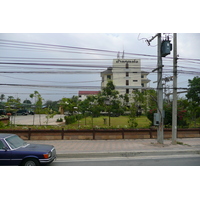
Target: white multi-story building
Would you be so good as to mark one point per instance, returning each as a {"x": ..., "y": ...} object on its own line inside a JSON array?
[{"x": 126, "y": 75}]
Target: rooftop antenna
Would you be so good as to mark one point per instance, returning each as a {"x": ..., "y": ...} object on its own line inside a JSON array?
[
  {"x": 123, "y": 52},
  {"x": 118, "y": 55},
  {"x": 123, "y": 55}
]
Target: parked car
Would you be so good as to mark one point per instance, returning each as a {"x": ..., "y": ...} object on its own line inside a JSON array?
[
  {"x": 2, "y": 112},
  {"x": 22, "y": 112},
  {"x": 15, "y": 151},
  {"x": 31, "y": 112}
]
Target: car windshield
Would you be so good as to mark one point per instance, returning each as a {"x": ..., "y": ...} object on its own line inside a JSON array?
[{"x": 15, "y": 142}]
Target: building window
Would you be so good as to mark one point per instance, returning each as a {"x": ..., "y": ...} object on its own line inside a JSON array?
[
  {"x": 135, "y": 80},
  {"x": 108, "y": 76},
  {"x": 142, "y": 76},
  {"x": 127, "y": 82},
  {"x": 127, "y": 66},
  {"x": 127, "y": 91},
  {"x": 127, "y": 74},
  {"x": 142, "y": 84}
]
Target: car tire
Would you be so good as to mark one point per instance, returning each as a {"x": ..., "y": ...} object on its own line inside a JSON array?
[{"x": 30, "y": 162}]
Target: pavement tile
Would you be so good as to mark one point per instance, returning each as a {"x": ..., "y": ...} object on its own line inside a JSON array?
[{"x": 101, "y": 146}]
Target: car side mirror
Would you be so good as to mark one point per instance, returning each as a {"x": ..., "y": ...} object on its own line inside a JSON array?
[{"x": 5, "y": 148}]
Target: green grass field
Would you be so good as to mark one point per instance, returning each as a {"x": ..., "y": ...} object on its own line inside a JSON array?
[{"x": 115, "y": 122}]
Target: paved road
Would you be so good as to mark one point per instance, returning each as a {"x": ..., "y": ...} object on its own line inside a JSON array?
[
  {"x": 193, "y": 160},
  {"x": 28, "y": 119}
]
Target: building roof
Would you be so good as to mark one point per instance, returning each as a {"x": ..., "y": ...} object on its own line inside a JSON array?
[
  {"x": 107, "y": 71},
  {"x": 144, "y": 72},
  {"x": 88, "y": 92}
]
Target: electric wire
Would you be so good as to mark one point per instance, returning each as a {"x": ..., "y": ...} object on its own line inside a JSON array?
[{"x": 73, "y": 67}]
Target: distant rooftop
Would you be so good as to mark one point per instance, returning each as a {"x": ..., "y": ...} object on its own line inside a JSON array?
[{"x": 88, "y": 92}]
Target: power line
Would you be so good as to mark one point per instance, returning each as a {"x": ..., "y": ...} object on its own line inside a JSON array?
[{"x": 53, "y": 46}]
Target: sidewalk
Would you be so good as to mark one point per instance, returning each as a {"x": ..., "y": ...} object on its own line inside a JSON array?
[{"x": 121, "y": 148}]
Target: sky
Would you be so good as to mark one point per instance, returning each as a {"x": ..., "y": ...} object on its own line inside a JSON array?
[{"x": 59, "y": 65}]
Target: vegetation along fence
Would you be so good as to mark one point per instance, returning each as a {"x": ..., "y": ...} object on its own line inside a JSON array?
[{"x": 101, "y": 134}]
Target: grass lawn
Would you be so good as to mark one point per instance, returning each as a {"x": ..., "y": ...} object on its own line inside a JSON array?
[
  {"x": 115, "y": 122},
  {"x": 89, "y": 123}
]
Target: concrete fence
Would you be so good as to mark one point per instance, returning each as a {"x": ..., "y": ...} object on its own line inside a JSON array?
[{"x": 101, "y": 134}]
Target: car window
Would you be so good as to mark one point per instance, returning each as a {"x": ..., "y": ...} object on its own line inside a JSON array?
[
  {"x": 15, "y": 142},
  {"x": 1, "y": 145}
]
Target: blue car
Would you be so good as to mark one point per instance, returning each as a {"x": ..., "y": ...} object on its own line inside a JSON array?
[{"x": 15, "y": 151}]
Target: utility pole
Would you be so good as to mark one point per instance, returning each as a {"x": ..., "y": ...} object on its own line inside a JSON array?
[
  {"x": 174, "y": 109},
  {"x": 160, "y": 93},
  {"x": 159, "y": 89}
]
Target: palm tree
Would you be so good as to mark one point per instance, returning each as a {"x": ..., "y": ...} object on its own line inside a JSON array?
[{"x": 2, "y": 97}]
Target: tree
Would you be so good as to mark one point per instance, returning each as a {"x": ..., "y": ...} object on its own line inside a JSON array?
[
  {"x": 69, "y": 105},
  {"x": 193, "y": 96},
  {"x": 181, "y": 115},
  {"x": 27, "y": 101},
  {"x": 49, "y": 114},
  {"x": 109, "y": 98},
  {"x": 38, "y": 104},
  {"x": 2, "y": 97},
  {"x": 84, "y": 107},
  {"x": 132, "y": 117},
  {"x": 52, "y": 105},
  {"x": 145, "y": 100},
  {"x": 10, "y": 98},
  {"x": 12, "y": 106},
  {"x": 94, "y": 106},
  {"x": 194, "y": 89}
]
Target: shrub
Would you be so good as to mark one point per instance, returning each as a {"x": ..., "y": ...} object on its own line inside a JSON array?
[
  {"x": 181, "y": 116},
  {"x": 72, "y": 119},
  {"x": 59, "y": 120}
]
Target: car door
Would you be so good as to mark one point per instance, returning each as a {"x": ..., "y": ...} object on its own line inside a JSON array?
[{"x": 5, "y": 154}]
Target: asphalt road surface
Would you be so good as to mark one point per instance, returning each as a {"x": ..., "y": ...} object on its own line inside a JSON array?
[
  {"x": 193, "y": 160},
  {"x": 35, "y": 119}
]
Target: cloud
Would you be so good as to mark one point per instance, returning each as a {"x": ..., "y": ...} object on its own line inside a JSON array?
[{"x": 188, "y": 47}]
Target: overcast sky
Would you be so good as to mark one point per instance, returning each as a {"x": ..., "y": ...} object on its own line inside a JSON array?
[
  {"x": 71, "y": 72},
  {"x": 60, "y": 39}
]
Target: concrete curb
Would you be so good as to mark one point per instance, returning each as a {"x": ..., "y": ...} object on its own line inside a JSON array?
[{"x": 127, "y": 154}]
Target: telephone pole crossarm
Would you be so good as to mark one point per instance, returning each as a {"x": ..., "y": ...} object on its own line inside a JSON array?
[{"x": 149, "y": 41}]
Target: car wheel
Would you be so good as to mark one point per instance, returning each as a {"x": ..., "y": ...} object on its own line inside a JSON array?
[{"x": 30, "y": 162}]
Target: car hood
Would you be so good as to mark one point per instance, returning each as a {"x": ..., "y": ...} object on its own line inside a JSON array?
[{"x": 37, "y": 147}]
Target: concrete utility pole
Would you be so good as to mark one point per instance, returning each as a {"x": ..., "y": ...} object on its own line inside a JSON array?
[
  {"x": 160, "y": 93},
  {"x": 159, "y": 89},
  {"x": 174, "y": 109}
]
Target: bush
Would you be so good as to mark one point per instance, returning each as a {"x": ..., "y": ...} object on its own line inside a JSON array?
[
  {"x": 59, "y": 120},
  {"x": 72, "y": 119},
  {"x": 181, "y": 116},
  {"x": 2, "y": 125}
]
